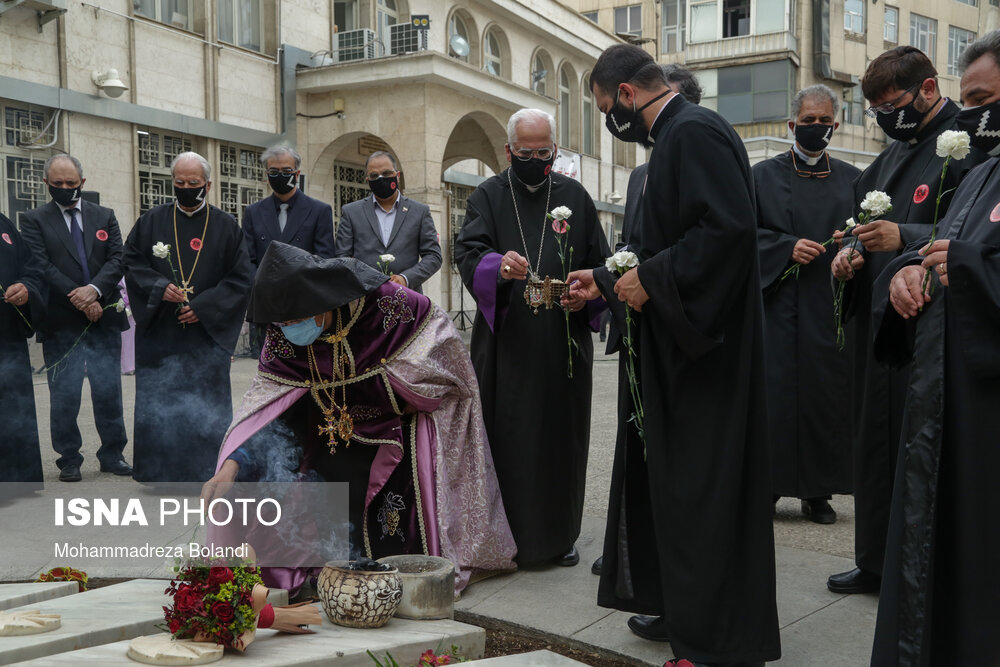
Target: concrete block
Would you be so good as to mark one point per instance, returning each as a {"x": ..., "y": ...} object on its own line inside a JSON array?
[
  {"x": 532, "y": 659},
  {"x": 20, "y": 595}
]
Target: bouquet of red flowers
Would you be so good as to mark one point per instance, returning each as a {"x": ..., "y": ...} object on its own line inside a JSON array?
[
  {"x": 214, "y": 603},
  {"x": 225, "y": 605}
]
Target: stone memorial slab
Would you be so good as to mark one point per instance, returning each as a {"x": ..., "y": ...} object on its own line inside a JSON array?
[
  {"x": 20, "y": 595},
  {"x": 110, "y": 614},
  {"x": 532, "y": 659},
  {"x": 162, "y": 649},
  {"x": 332, "y": 645},
  {"x": 27, "y": 622}
]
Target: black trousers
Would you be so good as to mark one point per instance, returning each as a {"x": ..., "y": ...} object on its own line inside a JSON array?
[{"x": 98, "y": 356}]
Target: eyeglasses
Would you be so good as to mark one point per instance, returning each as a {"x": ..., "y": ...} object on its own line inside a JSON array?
[
  {"x": 525, "y": 154},
  {"x": 889, "y": 107},
  {"x": 287, "y": 171},
  {"x": 389, "y": 173}
]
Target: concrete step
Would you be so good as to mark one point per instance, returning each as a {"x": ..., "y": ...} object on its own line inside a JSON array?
[
  {"x": 101, "y": 616},
  {"x": 19, "y": 595},
  {"x": 532, "y": 659},
  {"x": 331, "y": 645}
]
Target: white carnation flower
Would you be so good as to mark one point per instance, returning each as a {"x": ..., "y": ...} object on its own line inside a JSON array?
[
  {"x": 876, "y": 203},
  {"x": 161, "y": 250},
  {"x": 953, "y": 144},
  {"x": 621, "y": 261},
  {"x": 850, "y": 223},
  {"x": 561, "y": 213},
  {"x": 387, "y": 258},
  {"x": 120, "y": 305}
]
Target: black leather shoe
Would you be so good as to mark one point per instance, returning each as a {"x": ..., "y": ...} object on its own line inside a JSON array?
[
  {"x": 568, "y": 559},
  {"x": 70, "y": 474},
  {"x": 855, "y": 581},
  {"x": 649, "y": 627},
  {"x": 819, "y": 511},
  {"x": 118, "y": 467},
  {"x": 596, "y": 567}
]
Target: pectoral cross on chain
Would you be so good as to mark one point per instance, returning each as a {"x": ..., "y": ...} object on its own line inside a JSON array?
[
  {"x": 187, "y": 289},
  {"x": 330, "y": 431}
]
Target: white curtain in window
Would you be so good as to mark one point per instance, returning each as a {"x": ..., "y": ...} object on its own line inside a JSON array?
[
  {"x": 705, "y": 21},
  {"x": 249, "y": 22},
  {"x": 770, "y": 16},
  {"x": 226, "y": 16}
]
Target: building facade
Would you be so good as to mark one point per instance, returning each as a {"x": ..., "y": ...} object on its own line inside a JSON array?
[
  {"x": 432, "y": 82},
  {"x": 751, "y": 56}
]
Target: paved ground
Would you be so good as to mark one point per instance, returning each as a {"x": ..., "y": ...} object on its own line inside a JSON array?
[{"x": 818, "y": 628}]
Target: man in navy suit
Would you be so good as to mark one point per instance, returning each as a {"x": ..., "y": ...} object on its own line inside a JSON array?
[
  {"x": 79, "y": 247},
  {"x": 389, "y": 223},
  {"x": 288, "y": 215}
]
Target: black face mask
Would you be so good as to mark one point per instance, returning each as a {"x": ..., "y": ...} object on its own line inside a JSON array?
[
  {"x": 384, "y": 187},
  {"x": 190, "y": 197},
  {"x": 283, "y": 183},
  {"x": 983, "y": 125},
  {"x": 813, "y": 138},
  {"x": 903, "y": 123},
  {"x": 64, "y": 196},
  {"x": 533, "y": 171},
  {"x": 627, "y": 125}
]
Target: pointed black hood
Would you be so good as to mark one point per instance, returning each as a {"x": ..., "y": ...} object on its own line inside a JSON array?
[{"x": 292, "y": 284}]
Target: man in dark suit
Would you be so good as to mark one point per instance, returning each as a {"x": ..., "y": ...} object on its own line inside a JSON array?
[
  {"x": 79, "y": 246},
  {"x": 389, "y": 223},
  {"x": 288, "y": 215}
]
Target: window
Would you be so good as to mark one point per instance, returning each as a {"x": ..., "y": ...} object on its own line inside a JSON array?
[
  {"x": 588, "y": 118},
  {"x": 923, "y": 34},
  {"x": 973, "y": 3},
  {"x": 590, "y": 15},
  {"x": 674, "y": 12},
  {"x": 20, "y": 166},
  {"x": 386, "y": 15},
  {"x": 854, "y": 16},
  {"x": 171, "y": 12},
  {"x": 241, "y": 178},
  {"x": 736, "y": 18},
  {"x": 958, "y": 41},
  {"x": 492, "y": 55},
  {"x": 156, "y": 152},
  {"x": 890, "y": 28},
  {"x": 349, "y": 185},
  {"x": 345, "y": 15},
  {"x": 628, "y": 20},
  {"x": 539, "y": 74},
  {"x": 564, "y": 109},
  {"x": 753, "y": 93},
  {"x": 239, "y": 23},
  {"x": 456, "y": 28},
  {"x": 854, "y": 106}
]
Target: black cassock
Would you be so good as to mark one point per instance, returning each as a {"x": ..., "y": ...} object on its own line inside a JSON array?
[
  {"x": 20, "y": 458},
  {"x": 537, "y": 419},
  {"x": 702, "y": 365},
  {"x": 183, "y": 402},
  {"x": 806, "y": 376},
  {"x": 909, "y": 174},
  {"x": 940, "y": 599}
]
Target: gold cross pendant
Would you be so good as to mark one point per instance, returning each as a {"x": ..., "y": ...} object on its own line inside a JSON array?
[
  {"x": 188, "y": 290},
  {"x": 330, "y": 431}
]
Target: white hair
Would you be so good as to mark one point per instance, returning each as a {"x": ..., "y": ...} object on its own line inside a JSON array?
[
  {"x": 206, "y": 168},
  {"x": 280, "y": 150},
  {"x": 529, "y": 114}
]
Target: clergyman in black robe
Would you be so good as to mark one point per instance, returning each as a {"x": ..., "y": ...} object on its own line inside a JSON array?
[
  {"x": 22, "y": 292},
  {"x": 702, "y": 370},
  {"x": 940, "y": 596},
  {"x": 909, "y": 171},
  {"x": 537, "y": 417},
  {"x": 803, "y": 196},
  {"x": 188, "y": 307}
]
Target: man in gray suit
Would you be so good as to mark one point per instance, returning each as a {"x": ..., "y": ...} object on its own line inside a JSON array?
[{"x": 389, "y": 223}]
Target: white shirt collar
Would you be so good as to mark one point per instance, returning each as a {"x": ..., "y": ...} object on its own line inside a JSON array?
[
  {"x": 190, "y": 214},
  {"x": 808, "y": 159},
  {"x": 666, "y": 104}
]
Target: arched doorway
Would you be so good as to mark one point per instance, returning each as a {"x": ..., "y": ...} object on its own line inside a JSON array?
[
  {"x": 474, "y": 152},
  {"x": 339, "y": 172}
]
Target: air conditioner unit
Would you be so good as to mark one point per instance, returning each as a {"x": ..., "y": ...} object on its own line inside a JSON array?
[
  {"x": 407, "y": 38},
  {"x": 43, "y": 6},
  {"x": 353, "y": 45}
]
